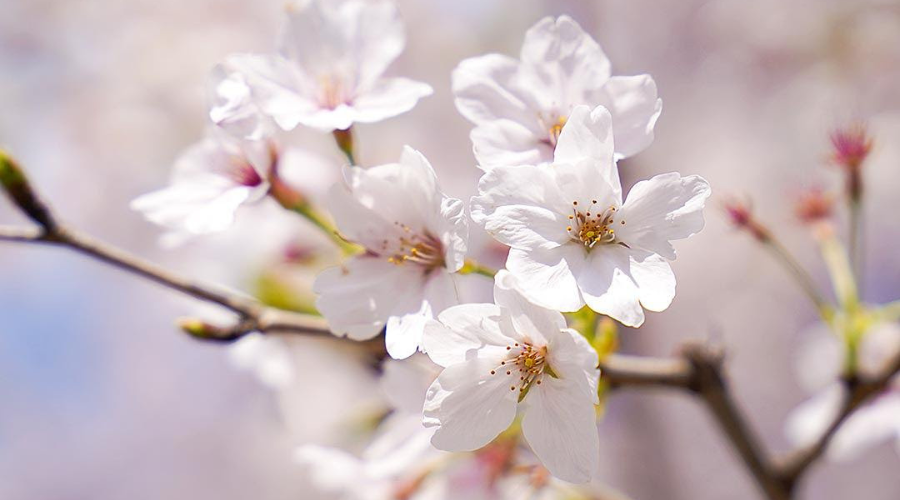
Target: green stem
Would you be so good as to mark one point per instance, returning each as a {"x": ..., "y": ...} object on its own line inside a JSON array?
[
  {"x": 472, "y": 267},
  {"x": 856, "y": 239},
  {"x": 841, "y": 272},
  {"x": 345, "y": 142},
  {"x": 803, "y": 278},
  {"x": 319, "y": 220}
]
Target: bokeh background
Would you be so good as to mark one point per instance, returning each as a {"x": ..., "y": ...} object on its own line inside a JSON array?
[{"x": 100, "y": 395}]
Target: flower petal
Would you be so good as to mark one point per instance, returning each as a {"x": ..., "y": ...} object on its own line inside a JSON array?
[
  {"x": 467, "y": 331},
  {"x": 469, "y": 406},
  {"x": 388, "y": 97},
  {"x": 871, "y": 425},
  {"x": 521, "y": 207},
  {"x": 548, "y": 277},
  {"x": 352, "y": 298},
  {"x": 485, "y": 91},
  {"x": 560, "y": 425},
  {"x": 566, "y": 58},
  {"x": 506, "y": 143},
  {"x": 574, "y": 359},
  {"x": 530, "y": 320},
  {"x": 607, "y": 285},
  {"x": 635, "y": 107},
  {"x": 654, "y": 278},
  {"x": 405, "y": 327},
  {"x": 664, "y": 208}
]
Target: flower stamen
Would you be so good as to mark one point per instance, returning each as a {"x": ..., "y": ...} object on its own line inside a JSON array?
[{"x": 593, "y": 229}]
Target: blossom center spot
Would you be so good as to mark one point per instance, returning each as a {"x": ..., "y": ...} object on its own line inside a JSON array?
[
  {"x": 421, "y": 249},
  {"x": 593, "y": 225},
  {"x": 242, "y": 172},
  {"x": 525, "y": 365}
]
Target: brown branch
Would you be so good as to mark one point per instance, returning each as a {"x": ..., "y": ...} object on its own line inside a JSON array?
[
  {"x": 699, "y": 371},
  {"x": 254, "y": 315},
  {"x": 857, "y": 391}
]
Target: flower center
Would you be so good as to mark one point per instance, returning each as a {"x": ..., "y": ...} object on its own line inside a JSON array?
[
  {"x": 594, "y": 225},
  {"x": 409, "y": 247},
  {"x": 331, "y": 91},
  {"x": 554, "y": 127},
  {"x": 242, "y": 172},
  {"x": 525, "y": 365}
]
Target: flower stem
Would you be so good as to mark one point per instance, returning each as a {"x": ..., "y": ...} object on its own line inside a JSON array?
[
  {"x": 345, "y": 142},
  {"x": 321, "y": 221},
  {"x": 856, "y": 239},
  {"x": 473, "y": 267},
  {"x": 803, "y": 278}
]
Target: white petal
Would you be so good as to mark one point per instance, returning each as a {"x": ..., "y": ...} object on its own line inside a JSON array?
[
  {"x": 574, "y": 359},
  {"x": 452, "y": 225},
  {"x": 586, "y": 181},
  {"x": 664, "y": 208},
  {"x": 560, "y": 426},
  {"x": 281, "y": 91},
  {"x": 547, "y": 277},
  {"x": 485, "y": 91},
  {"x": 875, "y": 423},
  {"x": 820, "y": 357},
  {"x": 352, "y": 298},
  {"x": 567, "y": 58},
  {"x": 468, "y": 331},
  {"x": 654, "y": 278},
  {"x": 387, "y": 98},
  {"x": 587, "y": 134},
  {"x": 403, "y": 334},
  {"x": 635, "y": 107},
  {"x": 530, "y": 320},
  {"x": 469, "y": 405},
  {"x": 506, "y": 143},
  {"x": 607, "y": 285},
  {"x": 521, "y": 207},
  {"x": 879, "y": 345},
  {"x": 810, "y": 420}
]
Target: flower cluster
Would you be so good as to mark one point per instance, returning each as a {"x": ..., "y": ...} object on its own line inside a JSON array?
[{"x": 550, "y": 128}]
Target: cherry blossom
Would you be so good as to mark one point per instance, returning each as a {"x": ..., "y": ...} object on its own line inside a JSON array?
[
  {"x": 415, "y": 240},
  {"x": 819, "y": 366},
  {"x": 231, "y": 105},
  {"x": 511, "y": 354},
  {"x": 520, "y": 106},
  {"x": 329, "y": 71},
  {"x": 209, "y": 182},
  {"x": 574, "y": 241}
]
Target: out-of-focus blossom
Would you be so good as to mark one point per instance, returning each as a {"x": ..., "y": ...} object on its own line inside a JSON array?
[
  {"x": 415, "y": 240},
  {"x": 820, "y": 365},
  {"x": 231, "y": 106},
  {"x": 520, "y": 107},
  {"x": 740, "y": 214},
  {"x": 814, "y": 205},
  {"x": 329, "y": 71},
  {"x": 267, "y": 356},
  {"x": 851, "y": 146},
  {"x": 209, "y": 182},
  {"x": 496, "y": 356},
  {"x": 573, "y": 241}
]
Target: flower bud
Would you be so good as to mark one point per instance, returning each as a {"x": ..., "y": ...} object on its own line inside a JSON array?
[
  {"x": 850, "y": 147},
  {"x": 16, "y": 184},
  {"x": 741, "y": 216},
  {"x": 814, "y": 205}
]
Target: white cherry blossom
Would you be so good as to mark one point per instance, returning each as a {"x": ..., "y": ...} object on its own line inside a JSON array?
[
  {"x": 329, "y": 72},
  {"x": 415, "y": 240},
  {"x": 499, "y": 357},
  {"x": 574, "y": 241},
  {"x": 520, "y": 106},
  {"x": 209, "y": 182},
  {"x": 819, "y": 365},
  {"x": 231, "y": 104}
]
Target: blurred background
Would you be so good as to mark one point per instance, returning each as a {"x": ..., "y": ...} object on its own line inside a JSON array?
[{"x": 102, "y": 397}]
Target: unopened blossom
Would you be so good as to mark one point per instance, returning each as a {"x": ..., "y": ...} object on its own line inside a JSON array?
[
  {"x": 520, "y": 106},
  {"x": 814, "y": 205},
  {"x": 209, "y": 182},
  {"x": 820, "y": 364},
  {"x": 512, "y": 354},
  {"x": 329, "y": 70},
  {"x": 574, "y": 241},
  {"x": 851, "y": 146},
  {"x": 415, "y": 240}
]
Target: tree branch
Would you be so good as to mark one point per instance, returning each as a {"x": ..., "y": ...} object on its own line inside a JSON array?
[{"x": 858, "y": 391}]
